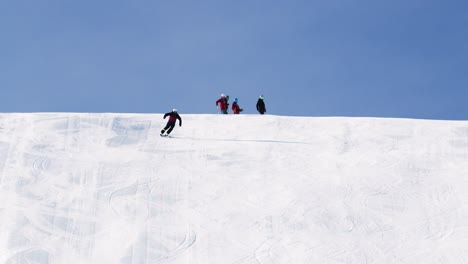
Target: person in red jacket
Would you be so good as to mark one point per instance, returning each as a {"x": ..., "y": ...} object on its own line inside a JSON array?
[
  {"x": 223, "y": 103},
  {"x": 236, "y": 108},
  {"x": 173, "y": 117}
]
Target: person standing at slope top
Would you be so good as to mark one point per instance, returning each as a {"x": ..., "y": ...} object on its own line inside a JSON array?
[
  {"x": 173, "y": 117},
  {"x": 236, "y": 108},
  {"x": 261, "y": 105},
  {"x": 223, "y": 103}
]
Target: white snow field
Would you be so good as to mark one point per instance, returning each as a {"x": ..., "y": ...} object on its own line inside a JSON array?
[{"x": 245, "y": 189}]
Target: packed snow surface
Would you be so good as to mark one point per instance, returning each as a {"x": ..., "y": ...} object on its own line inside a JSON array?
[{"x": 245, "y": 189}]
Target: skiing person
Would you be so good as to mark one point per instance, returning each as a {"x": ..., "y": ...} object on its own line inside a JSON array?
[
  {"x": 261, "y": 105},
  {"x": 235, "y": 107},
  {"x": 223, "y": 103},
  {"x": 173, "y": 117}
]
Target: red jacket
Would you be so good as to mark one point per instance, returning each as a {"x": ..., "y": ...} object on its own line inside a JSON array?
[
  {"x": 223, "y": 105},
  {"x": 235, "y": 108}
]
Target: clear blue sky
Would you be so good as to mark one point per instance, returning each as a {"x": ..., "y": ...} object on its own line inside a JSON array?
[{"x": 399, "y": 58}]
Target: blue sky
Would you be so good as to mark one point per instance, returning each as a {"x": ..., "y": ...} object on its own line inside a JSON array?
[{"x": 380, "y": 58}]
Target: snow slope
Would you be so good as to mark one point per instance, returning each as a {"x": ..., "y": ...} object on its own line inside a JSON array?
[{"x": 247, "y": 189}]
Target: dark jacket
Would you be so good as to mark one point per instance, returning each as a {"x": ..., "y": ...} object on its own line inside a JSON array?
[
  {"x": 173, "y": 117},
  {"x": 261, "y": 106}
]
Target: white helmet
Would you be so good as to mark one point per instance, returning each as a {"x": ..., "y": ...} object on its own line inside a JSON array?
[
  {"x": 222, "y": 95},
  {"x": 174, "y": 110}
]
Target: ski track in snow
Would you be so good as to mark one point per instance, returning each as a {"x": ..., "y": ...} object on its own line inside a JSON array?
[{"x": 105, "y": 188}]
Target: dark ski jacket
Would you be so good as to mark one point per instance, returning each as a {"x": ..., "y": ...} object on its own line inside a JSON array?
[
  {"x": 173, "y": 117},
  {"x": 236, "y": 109},
  {"x": 223, "y": 103},
  {"x": 261, "y": 106}
]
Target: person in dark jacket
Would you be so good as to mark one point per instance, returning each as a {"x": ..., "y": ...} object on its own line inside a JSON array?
[
  {"x": 173, "y": 117},
  {"x": 223, "y": 103},
  {"x": 261, "y": 105},
  {"x": 236, "y": 108}
]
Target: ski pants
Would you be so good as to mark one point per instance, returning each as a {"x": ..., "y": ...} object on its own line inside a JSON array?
[{"x": 169, "y": 126}]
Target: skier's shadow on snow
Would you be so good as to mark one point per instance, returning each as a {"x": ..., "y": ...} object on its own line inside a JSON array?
[{"x": 245, "y": 140}]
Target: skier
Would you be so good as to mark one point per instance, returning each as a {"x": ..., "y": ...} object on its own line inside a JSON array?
[
  {"x": 261, "y": 105},
  {"x": 223, "y": 103},
  {"x": 173, "y": 117},
  {"x": 235, "y": 107}
]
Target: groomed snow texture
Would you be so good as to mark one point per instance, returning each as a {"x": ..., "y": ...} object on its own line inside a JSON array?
[{"x": 246, "y": 189}]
